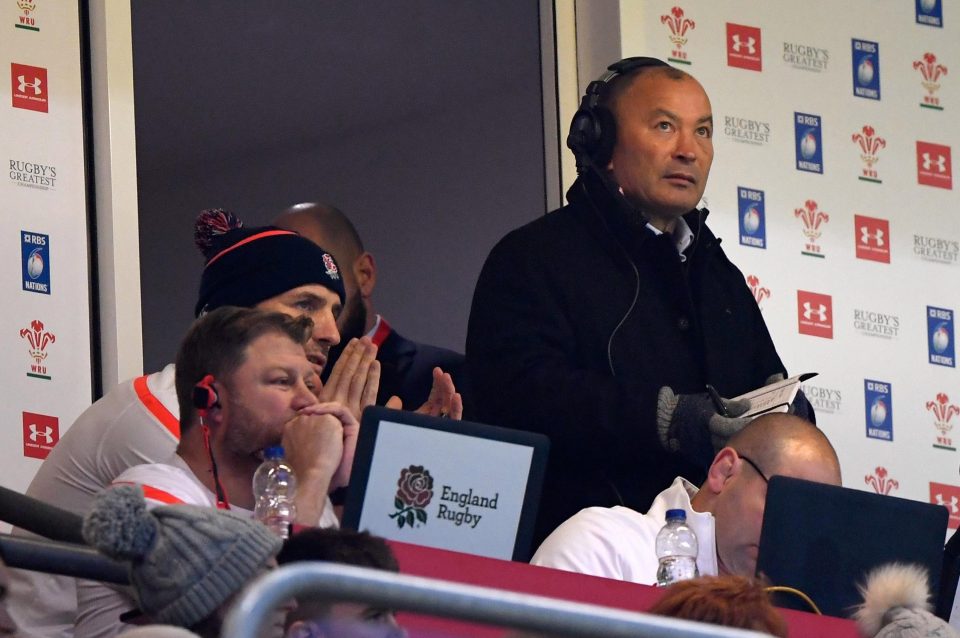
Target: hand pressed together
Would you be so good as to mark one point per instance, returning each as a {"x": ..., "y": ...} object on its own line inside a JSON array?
[
  {"x": 355, "y": 378},
  {"x": 444, "y": 400}
]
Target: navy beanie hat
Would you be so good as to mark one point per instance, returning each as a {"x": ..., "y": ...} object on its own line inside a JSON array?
[{"x": 248, "y": 265}]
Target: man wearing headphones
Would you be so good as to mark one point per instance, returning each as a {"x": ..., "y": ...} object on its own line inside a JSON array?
[
  {"x": 244, "y": 383},
  {"x": 602, "y": 323}
]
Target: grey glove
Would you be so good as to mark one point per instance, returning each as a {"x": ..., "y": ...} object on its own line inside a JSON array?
[{"x": 690, "y": 425}]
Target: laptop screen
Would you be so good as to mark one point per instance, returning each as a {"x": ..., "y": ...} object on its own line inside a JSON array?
[
  {"x": 454, "y": 485},
  {"x": 823, "y": 540}
]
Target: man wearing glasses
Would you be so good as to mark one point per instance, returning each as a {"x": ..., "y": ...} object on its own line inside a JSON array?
[{"x": 726, "y": 513}]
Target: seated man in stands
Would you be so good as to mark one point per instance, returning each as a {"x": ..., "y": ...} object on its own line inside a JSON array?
[
  {"x": 321, "y": 618},
  {"x": 138, "y": 421},
  {"x": 725, "y": 513},
  {"x": 407, "y": 369},
  {"x": 244, "y": 383}
]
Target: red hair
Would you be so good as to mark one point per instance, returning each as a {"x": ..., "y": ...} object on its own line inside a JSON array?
[{"x": 734, "y": 601}]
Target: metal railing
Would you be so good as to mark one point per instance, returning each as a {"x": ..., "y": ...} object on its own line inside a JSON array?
[
  {"x": 66, "y": 559},
  {"x": 333, "y": 582}
]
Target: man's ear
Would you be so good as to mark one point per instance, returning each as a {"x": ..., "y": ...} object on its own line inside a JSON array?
[
  {"x": 721, "y": 470},
  {"x": 365, "y": 274},
  {"x": 215, "y": 414}
]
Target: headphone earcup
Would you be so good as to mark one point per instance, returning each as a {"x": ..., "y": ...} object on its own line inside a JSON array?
[
  {"x": 584, "y": 132},
  {"x": 606, "y": 137},
  {"x": 593, "y": 129},
  {"x": 205, "y": 395},
  {"x": 593, "y": 134}
]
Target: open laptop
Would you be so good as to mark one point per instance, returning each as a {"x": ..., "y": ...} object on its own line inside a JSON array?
[
  {"x": 454, "y": 485},
  {"x": 823, "y": 540}
]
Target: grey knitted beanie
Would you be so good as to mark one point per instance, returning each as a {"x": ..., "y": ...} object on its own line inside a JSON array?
[
  {"x": 896, "y": 605},
  {"x": 185, "y": 561}
]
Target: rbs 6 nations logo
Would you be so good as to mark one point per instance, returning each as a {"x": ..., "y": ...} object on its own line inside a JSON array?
[
  {"x": 866, "y": 69},
  {"x": 753, "y": 225},
  {"x": 878, "y": 400},
  {"x": 808, "y": 133},
  {"x": 940, "y": 336}
]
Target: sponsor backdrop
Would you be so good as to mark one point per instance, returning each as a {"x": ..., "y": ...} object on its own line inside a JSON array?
[
  {"x": 833, "y": 190},
  {"x": 45, "y": 378},
  {"x": 832, "y": 187}
]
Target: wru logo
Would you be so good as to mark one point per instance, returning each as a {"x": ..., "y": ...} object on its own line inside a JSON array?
[
  {"x": 38, "y": 338},
  {"x": 414, "y": 492}
]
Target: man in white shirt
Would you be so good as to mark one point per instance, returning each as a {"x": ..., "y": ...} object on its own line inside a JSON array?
[
  {"x": 244, "y": 383},
  {"x": 726, "y": 513}
]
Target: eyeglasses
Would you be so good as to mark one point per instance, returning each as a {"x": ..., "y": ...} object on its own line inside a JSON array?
[{"x": 755, "y": 467}]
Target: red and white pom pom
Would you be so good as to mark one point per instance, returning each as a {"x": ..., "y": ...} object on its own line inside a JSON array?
[{"x": 212, "y": 223}]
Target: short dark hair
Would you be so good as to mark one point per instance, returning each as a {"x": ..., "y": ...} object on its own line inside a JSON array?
[
  {"x": 339, "y": 546},
  {"x": 343, "y": 546},
  {"x": 620, "y": 84},
  {"x": 216, "y": 342}
]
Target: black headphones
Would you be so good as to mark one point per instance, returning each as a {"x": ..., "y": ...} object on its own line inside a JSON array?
[
  {"x": 205, "y": 396},
  {"x": 593, "y": 130}
]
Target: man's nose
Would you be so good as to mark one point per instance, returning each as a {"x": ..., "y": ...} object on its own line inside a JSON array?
[
  {"x": 304, "y": 396},
  {"x": 325, "y": 329},
  {"x": 687, "y": 146}
]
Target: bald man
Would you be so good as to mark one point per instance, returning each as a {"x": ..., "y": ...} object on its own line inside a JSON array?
[
  {"x": 407, "y": 368},
  {"x": 726, "y": 513}
]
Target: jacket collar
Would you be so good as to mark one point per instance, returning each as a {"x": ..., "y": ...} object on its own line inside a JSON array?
[{"x": 614, "y": 222}]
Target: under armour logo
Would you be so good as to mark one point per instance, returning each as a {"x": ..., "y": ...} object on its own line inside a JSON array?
[
  {"x": 35, "y": 85},
  {"x": 750, "y": 43},
  {"x": 941, "y": 163},
  {"x": 809, "y": 311},
  {"x": 952, "y": 505},
  {"x": 46, "y": 433},
  {"x": 876, "y": 236}
]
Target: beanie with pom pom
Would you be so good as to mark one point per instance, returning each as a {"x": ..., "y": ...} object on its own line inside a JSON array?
[
  {"x": 896, "y": 605},
  {"x": 248, "y": 265},
  {"x": 185, "y": 561}
]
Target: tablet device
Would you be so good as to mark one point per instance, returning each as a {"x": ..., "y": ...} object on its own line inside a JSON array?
[
  {"x": 449, "y": 484},
  {"x": 824, "y": 539}
]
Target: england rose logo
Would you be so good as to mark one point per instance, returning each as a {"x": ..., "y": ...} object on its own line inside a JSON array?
[
  {"x": 414, "y": 491},
  {"x": 331, "y": 266}
]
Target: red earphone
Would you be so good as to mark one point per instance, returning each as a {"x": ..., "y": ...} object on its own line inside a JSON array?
[{"x": 205, "y": 395}]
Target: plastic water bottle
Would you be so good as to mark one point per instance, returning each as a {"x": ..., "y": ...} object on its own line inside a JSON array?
[
  {"x": 677, "y": 550},
  {"x": 274, "y": 488}
]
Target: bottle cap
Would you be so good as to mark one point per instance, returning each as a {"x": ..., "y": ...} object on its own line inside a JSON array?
[
  {"x": 276, "y": 452},
  {"x": 676, "y": 514}
]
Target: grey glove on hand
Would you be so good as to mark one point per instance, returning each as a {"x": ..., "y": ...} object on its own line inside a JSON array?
[{"x": 690, "y": 425}]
